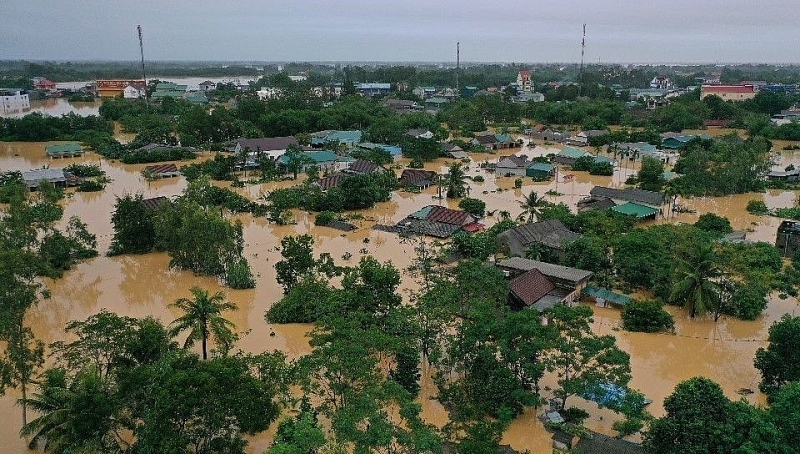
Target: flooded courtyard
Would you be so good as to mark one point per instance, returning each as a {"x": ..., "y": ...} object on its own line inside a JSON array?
[{"x": 143, "y": 285}]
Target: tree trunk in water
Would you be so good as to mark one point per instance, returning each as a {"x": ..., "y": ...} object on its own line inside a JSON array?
[
  {"x": 24, "y": 405},
  {"x": 205, "y": 354}
]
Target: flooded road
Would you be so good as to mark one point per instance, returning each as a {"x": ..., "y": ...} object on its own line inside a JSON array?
[{"x": 143, "y": 285}]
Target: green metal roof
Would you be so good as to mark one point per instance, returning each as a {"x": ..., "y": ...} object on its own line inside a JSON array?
[
  {"x": 573, "y": 153},
  {"x": 317, "y": 156},
  {"x": 606, "y": 294},
  {"x": 63, "y": 148},
  {"x": 640, "y": 211},
  {"x": 542, "y": 166}
]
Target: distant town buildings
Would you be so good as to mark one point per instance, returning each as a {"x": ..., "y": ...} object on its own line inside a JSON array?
[
  {"x": 113, "y": 88},
  {"x": 728, "y": 92},
  {"x": 13, "y": 100}
]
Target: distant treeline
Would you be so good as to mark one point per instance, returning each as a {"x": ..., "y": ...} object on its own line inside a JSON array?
[{"x": 480, "y": 75}]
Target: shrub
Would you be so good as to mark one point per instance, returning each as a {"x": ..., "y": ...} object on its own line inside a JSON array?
[
  {"x": 473, "y": 206},
  {"x": 91, "y": 186},
  {"x": 601, "y": 168},
  {"x": 478, "y": 179},
  {"x": 647, "y": 317},
  {"x": 710, "y": 222},
  {"x": 757, "y": 207},
  {"x": 325, "y": 218},
  {"x": 238, "y": 275},
  {"x": 518, "y": 183}
]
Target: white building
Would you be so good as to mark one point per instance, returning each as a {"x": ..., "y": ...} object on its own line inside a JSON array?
[
  {"x": 267, "y": 93},
  {"x": 134, "y": 92},
  {"x": 13, "y": 100}
]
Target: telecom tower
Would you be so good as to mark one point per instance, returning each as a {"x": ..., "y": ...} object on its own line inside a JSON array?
[
  {"x": 458, "y": 65},
  {"x": 141, "y": 50},
  {"x": 583, "y": 49}
]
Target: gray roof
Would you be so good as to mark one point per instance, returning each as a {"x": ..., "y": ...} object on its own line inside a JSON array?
[
  {"x": 597, "y": 443},
  {"x": 548, "y": 269},
  {"x": 513, "y": 162},
  {"x": 268, "y": 143},
  {"x": 629, "y": 195},
  {"x": 552, "y": 233},
  {"x": 33, "y": 177},
  {"x": 430, "y": 228}
]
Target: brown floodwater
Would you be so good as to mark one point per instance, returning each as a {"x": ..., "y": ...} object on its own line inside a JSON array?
[
  {"x": 144, "y": 286},
  {"x": 55, "y": 107}
]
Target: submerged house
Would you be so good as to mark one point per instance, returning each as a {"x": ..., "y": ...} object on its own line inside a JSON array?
[
  {"x": 552, "y": 234},
  {"x": 273, "y": 147},
  {"x": 788, "y": 239},
  {"x": 161, "y": 171},
  {"x": 438, "y": 221},
  {"x": 567, "y": 282},
  {"x": 66, "y": 150},
  {"x": 346, "y": 138},
  {"x": 512, "y": 165},
  {"x": 568, "y": 156},
  {"x": 417, "y": 178},
  {"x": 57, "y": 176}
]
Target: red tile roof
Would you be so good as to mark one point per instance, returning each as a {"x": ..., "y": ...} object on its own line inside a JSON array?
[
  {"x": 728, "y": 88},
  {"x": 530, "y": 287},
  {"x": 155, "y": 202},
  {"x": 448, "y": 216},
  {"x": 416, "y": 176},
  {"x": 474, "y": 227}
]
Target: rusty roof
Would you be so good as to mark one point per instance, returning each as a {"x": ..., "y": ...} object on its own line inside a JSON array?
[
  {"x": 154, "y": 203},
  {"x": 362, "y": 166},
  {"x": 449, "y": 216},
  {"x": 531, "y": 286},
  {"x": 161, "y": 168},
  {"x": 414, "y": 176},
  {"x": 331, "y": 182}
]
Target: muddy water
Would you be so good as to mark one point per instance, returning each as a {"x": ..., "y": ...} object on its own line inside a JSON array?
[
  {"x": 55, "y": 107},
  {"x": 144, "y": 286}
]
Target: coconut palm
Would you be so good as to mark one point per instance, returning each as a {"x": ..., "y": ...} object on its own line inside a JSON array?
[
  {"x": 456, "y": 182},
  {"x": 76, "y": 415},
  {"x": 203, "y": 319},
  {"x": 696, "y": 287},
  {"x": 532, "y": 205}
]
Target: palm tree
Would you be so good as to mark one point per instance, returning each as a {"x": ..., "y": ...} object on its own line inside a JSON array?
[
  {"x": 76, "y": 415},
  {"x": 203, "y": 318},
  {"x": 456, "y": 182},
  {"x": 532, "y": 205},
  {"x": 697, "y": 286}
]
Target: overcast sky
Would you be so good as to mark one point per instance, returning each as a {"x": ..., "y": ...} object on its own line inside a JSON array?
[{"x": 636, "y": 31}]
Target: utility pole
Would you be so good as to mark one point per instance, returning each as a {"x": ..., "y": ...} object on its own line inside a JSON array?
[{"x": 583, "y": 49}]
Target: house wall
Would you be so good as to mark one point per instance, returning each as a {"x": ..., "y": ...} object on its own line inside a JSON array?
[
  {"x": 788, "y": 243},
  {"x": 503, "y": 171}
]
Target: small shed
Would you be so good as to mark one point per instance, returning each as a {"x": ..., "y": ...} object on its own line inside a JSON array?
[
  {"x": 161, "y": 171},
  {"x": 635, "y": 209},
  {"x": 540, "y": 170},
  {"x": 66, "y": 150},
  {"x": 606, "y": 297}
]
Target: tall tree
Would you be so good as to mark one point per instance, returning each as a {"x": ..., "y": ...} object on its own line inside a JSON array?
[
  {"x": 580, "y": 358},
  {"x": 779, "y": 363},
  {"x": 455, "y": 182},
  {"x": 532, "y": 205},
  {"x": 203, "y": 319},
  {"x": 696, "y": 287}
]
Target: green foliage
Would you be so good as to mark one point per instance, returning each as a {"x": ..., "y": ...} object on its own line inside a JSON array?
[
  {"x": 701, "y": 419},
  {"x": 588, "y": 252},
  {"x": 324, "y": 218},
  {"x": 91, "y": 186},
  {"x": 134, "y": 227},
  {"x": 757, "y": 207},
  {"x": 85, "y": 170},
  {"x": 476, "y": 207},
  {"x": 307, "y": 301},
  {"x": 36, "y": 127},
  {"x": 61, "y": 252},
  {"x": 714, "y": 224},
  {"x": 779, "y": 363},
  {"x": 647, "y": 316},
  {"x": 455, "y": 181},
  {"x": 298, "y": 261},
  {"x": 651, "y": 174},
  {"x": 158, "y": 155},
  {"x": 580, "y": 357},
  {"x": 203, "y": 319},
  {"x": 725, "y": 166},
  {"x": 584, "y": 163},
  {"x": 480, "y": 245},
  {"x": 601, "y": 168},
  {"x": 238, "y": 275}
]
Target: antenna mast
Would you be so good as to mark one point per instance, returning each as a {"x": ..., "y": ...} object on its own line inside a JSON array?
[
  {"x": 458, "y": 64},
  {"x": 141, "y": 50},
  {"x": 583, "y": 49}
]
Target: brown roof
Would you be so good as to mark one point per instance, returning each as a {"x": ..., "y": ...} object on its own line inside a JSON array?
[
  {"x": 519, "y": 161},
  {"x": 486, "y": 139},
  {"x": 362, "y": 166},
  {"x": 154, "y": 203},
  {"x": 531, "y": 286},
  {"x": 161, "y": 168},
  {"x": 416, "y": 176},
  {"x": 449, "y": 216},
  {"x": 552, "y": 233},
  {"x": 331, "y": 182},
  {"x": 268, "y": 143}
]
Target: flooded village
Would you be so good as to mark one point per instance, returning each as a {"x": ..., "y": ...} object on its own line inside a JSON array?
[{"x": 501, "y": 170}]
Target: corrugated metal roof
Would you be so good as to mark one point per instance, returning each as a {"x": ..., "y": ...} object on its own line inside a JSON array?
[
  {"x": 531, "y": 286},
  {"x": 629, "y": 195},
  {"x": 331, "y": 182},
  {"x": 552, "y": 233},
  {"x": 153, "y": 203},
  {"x": 449, "y": 216},
  {"x": 362, "y": 166},
  {"x": 631, "y": 208},
  {"x": 161, "y": 169},
  {"x": 548, "y": 269}
]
